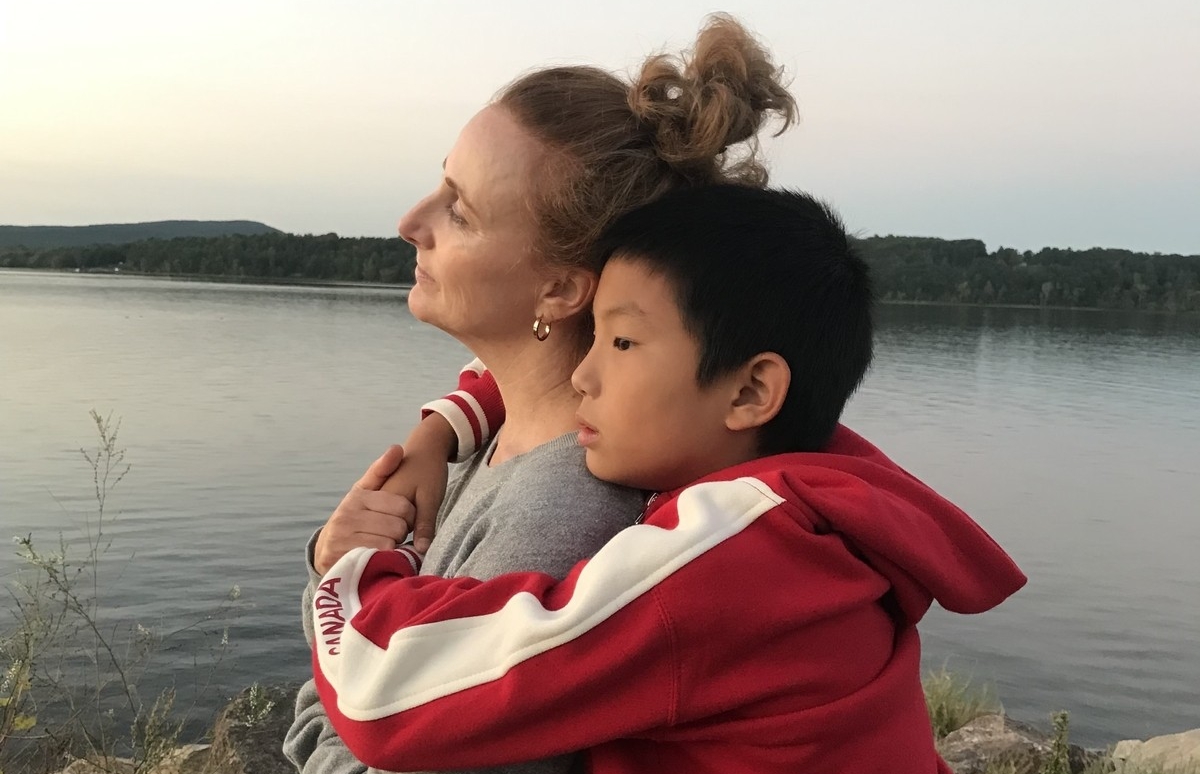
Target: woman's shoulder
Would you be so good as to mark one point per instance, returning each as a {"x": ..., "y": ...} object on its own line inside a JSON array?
[
  {"x": 541, "y": 510},
  {"x": 560, "y": 459},
  {"x": 556, "y": 472}
]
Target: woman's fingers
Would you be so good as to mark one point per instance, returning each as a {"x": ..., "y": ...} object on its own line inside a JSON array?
[
  {"x": 387, "y": 504},
  {"x": 381, "y": 468},
  {"x": 421, "y": 480},
  {"x": 364, "y": 518}
]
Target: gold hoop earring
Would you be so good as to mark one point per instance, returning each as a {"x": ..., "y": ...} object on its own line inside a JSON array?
[{"x": 541, "y": 330}]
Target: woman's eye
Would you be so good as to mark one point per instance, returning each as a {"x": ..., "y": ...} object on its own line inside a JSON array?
[
  {"x": 455, "y": 218},
  {"x": 622, "y": 344}
]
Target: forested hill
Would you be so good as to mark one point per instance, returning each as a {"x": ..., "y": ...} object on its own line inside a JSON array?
[
  {"x": 276, "y": 256},
  {"x": 906, "y": 269},
  {"x": 917, "y": 269},
  {"x": 41, "y": 237}
]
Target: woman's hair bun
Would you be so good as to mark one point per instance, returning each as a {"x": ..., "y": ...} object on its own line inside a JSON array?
[{"x": 718, "y": 95}]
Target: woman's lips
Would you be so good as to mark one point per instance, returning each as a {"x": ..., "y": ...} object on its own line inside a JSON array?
[{"x": 420, "y": 276}]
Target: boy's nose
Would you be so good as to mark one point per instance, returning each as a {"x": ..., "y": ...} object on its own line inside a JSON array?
[{"x": 583, "y": 378}]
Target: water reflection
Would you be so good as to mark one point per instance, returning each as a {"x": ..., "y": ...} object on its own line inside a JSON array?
[{"x": 1072, "y": 436}]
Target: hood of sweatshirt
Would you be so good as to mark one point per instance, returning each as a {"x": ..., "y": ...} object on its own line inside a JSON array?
[{"x": 927, "y": 547}]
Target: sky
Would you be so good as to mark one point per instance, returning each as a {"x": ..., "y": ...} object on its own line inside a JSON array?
[{"x": 1064, "y": 123}]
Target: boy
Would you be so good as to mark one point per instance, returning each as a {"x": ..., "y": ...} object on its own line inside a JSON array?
[{"x": 762, "y": 615}]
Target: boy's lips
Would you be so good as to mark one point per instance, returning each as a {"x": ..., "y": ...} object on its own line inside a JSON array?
[{"x": 587, "y": 433}]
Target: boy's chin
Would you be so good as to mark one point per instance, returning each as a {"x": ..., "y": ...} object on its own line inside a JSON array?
[{"x": 618, "y": 474}]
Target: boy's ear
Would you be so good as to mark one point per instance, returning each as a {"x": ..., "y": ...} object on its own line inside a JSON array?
[
  {"x": 566, "y": 293},
  {"x": 761, "y": 388}
]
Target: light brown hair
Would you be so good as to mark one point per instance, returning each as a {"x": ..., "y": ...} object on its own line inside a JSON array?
[{"x": 687, "y": 120}]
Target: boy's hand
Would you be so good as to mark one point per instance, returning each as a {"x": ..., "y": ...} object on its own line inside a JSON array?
[
  {"x": 421, "y": 478},
  {"x": 367, "y": 517}
]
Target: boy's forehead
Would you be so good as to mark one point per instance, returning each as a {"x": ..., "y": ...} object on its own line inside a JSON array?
[
  {"x": 629, "y": 287},
  {"x": 629, "y": 276}
]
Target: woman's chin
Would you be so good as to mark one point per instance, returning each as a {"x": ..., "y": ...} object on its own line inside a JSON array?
[
  {"x": 418, "y": 304},
  {"x": 425, "y": 310}
]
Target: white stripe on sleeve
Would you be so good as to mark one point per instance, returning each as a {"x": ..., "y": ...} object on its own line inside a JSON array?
[
  {"x": 479, "y": 414},
  {"x": 476, "y": 367},
  {"x": 458, "y": 422}
]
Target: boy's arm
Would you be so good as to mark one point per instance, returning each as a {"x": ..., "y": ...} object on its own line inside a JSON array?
[
  {"x": 313, "y": 746},
  {"x": 471, "y": 683},
  {"x": 423, "y": 672},
  {"x": 454, "y": 425},
  {"x": 451, "y": 428},
  {"x": 475, "y": 410}
]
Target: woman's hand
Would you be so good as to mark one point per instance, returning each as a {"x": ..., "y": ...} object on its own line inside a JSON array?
[
  {"x": 367, "y": 517},
  {"x": 421, "y": 478}
]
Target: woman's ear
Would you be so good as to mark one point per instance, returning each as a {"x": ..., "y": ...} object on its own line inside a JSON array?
[
  {"x": 760, "y": 388},
  {"x": 566, "y": 293}
]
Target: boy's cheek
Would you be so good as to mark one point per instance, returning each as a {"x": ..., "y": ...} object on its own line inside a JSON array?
[
  {"x": 595, "y": 464},
  {"x": 603, "y": 466},
  {"x": 615, "y": 473}
]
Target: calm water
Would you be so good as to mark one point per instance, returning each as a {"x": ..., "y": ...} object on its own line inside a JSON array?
[{"x": 1074, "y": 438}]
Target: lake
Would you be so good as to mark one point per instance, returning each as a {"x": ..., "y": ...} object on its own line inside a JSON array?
[{"x": 247, "y": 411}]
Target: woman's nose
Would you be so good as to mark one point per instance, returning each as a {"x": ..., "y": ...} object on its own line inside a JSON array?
[{"x": 412, "y": 228}]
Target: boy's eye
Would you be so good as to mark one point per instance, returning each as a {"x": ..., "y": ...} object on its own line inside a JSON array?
[{"x": 622, "y": 344}]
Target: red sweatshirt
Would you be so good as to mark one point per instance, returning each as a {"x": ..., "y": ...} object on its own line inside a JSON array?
[{"x": 760, "y": 620}]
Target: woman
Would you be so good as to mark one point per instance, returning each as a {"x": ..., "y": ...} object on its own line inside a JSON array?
[{"x": 503, "y": 245}]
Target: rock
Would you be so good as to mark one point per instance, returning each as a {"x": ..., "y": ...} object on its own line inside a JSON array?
[
  {"x": 111, "y": 765},
  {"x": 248, "y": 735},
  {"x": 188, "y": 759},
  {"x": 998, "y": 739},
  {"x": 247, "y": 739},
  {"x": 1168, "y": 752}
]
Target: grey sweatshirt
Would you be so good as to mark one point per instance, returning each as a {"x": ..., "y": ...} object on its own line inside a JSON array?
[{"x": 541, "y": 511}]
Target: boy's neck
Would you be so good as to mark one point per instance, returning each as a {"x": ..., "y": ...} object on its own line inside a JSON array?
[
  {"x": 654, "y": 498},
  {"x": 737, "y": 448}
]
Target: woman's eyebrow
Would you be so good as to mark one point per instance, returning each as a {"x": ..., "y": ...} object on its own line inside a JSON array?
[{"x": 458, "y": 191}]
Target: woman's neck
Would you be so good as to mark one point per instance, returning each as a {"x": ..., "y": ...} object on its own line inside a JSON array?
[{"x": 539, "y": 401}]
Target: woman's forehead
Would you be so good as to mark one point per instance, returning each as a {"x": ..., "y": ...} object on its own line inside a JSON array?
[{"x": 493, "y": 163}]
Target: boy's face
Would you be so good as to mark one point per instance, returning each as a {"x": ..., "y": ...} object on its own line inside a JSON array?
[{"x": 644, "y": 419}]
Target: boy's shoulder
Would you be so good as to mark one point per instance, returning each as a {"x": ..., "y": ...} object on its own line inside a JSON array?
[
  {"x": 845, "y": 449},
  {"x": 842, "y": 481},
  {"x": 743, "y": 491},
  {"x": 846, "y": 455},
  {"x": 882, "y": 516}
]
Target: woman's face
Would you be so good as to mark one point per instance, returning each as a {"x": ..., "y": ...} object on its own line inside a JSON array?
[{"x": 476, "y": 276}]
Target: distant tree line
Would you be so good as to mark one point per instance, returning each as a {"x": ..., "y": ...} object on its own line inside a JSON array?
[
  {"x": 276, "y": 256},
  {"x": 46, "y": 237},
  {"x": 906, "y": 269},
  {"x": 915, "y": 269}
]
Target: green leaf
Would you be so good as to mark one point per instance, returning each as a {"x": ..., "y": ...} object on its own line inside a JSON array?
[{"x": 24, "y": 722}]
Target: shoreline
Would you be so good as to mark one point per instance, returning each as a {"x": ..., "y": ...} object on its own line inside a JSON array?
[
  {"x": 220, "y": 279},
  {"x": 224, "y": 279}
]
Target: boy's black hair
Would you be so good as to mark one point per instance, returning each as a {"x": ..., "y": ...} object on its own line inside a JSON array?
[{"x": 756, "y": 271}]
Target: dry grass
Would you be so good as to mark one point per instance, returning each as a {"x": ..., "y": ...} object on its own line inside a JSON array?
[{"x": 953, "y": 701}]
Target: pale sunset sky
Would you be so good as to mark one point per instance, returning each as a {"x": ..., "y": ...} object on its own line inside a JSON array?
[{"x": 1025, "y": 123}]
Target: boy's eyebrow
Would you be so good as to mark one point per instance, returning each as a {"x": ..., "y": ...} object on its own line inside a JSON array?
[{"x": 629, "y": 309}]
